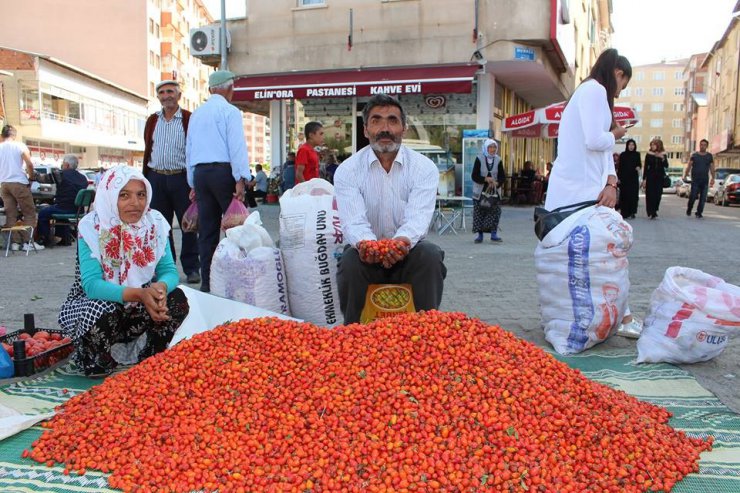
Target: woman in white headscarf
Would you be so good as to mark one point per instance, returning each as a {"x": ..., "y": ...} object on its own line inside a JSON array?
[
  {"x": 125, "y": 278},
  {"x": 488, "y": 174}
]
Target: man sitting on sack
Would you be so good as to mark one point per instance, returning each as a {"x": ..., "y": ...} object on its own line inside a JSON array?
[{"x": 387, "y": 190}]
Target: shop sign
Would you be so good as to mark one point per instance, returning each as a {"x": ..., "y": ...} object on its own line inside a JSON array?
[{"x": 521, "y": 53}]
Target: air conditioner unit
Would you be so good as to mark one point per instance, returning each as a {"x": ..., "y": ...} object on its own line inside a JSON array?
[{"x": 206, "y": 41}]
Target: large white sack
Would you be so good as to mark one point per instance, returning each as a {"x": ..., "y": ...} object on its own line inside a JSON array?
[
  {"x": 312, "y": 242},
  {"x": 583, "y": 278},
  {"x": 691, "y": 318},
  {"x": 247, "y": 268}
]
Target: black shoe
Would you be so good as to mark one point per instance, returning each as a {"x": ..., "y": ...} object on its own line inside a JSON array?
[
  {"x": 205, "y": 288},
  {"x": 699, "y": 216},
  {"x": 688, "y": 213},
  {"x": 193, "y": 278}
]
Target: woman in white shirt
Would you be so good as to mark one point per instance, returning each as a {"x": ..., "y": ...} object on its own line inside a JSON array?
[{"x": 584, "y": 169}]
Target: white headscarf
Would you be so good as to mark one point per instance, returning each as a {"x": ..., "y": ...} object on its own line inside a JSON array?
[
  {"x": 486, "y": 144},
  {"x": 128, "y": 253}
]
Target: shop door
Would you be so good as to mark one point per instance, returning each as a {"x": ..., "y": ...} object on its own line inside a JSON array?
[{"x": 362, "y": 141}]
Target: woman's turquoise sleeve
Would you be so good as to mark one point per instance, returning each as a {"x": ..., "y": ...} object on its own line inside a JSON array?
[
  {"x": 166, "y": 271},
  {"x": 91, "y": 275}
]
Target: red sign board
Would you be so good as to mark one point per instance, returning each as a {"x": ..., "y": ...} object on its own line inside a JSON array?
[{"x": 362, "y": 82}]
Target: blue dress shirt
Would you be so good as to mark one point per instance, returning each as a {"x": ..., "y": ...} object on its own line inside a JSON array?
[{"x": 216, "y": 135}]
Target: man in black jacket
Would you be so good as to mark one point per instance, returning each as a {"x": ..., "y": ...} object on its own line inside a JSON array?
[{"x": 69, "y": 182}]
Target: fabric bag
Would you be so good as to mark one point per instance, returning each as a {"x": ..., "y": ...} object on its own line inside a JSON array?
[
  {"x": 489, "y": 198},
  {"x": 235, "y": 214},
  {"x": 190, "y": 219},
  {"x": 583, "y": 278},
  {"x": 545, "y": 221},
  {"x": 312, "y": 242},
  {"x": 692, "y": 315}
]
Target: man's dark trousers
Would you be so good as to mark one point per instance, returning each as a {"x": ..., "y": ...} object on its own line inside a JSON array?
[
  {"x": 699, "y": 189},
  {"x": 170, "y": 196},
  {"x": 214, "y": 189},
  {"x": 423, "y": 268},
  {"x": 44, "y": 226}
]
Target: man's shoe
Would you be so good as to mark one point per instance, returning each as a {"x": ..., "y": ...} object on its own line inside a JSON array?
[
  {"x": 205, "y": 288},
  {"x": 193, "y": 278},
  {"x": 15, "y": 247},
  {"x": 32, "y": 245},
  {"x": 699, "y": 216},
  {"x": 688, "y": 213}
]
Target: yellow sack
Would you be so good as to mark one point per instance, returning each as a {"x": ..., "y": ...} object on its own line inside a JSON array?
[{"x": 386, "y": 300}]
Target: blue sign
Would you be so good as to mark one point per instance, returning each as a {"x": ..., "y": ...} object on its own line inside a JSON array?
[
  {"x": 521, "y": 53},
  {"x": 469, "y": 132}
]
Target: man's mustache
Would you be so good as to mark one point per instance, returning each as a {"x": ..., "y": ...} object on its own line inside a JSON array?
[{"x": 385, "y": 135}]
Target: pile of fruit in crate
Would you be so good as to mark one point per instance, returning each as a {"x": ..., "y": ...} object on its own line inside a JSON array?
[{"x": 419, "y": 402}]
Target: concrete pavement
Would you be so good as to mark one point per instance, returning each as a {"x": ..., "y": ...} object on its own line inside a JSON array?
[{"x": 494, "y": 282}]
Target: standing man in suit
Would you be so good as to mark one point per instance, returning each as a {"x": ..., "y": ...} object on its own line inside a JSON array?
[
  {"x": 165, "y": 167},
  {"x": 218, "y": 164}
]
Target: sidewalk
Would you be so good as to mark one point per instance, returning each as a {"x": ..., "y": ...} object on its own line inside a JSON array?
[{"x": 494, "y": 282}]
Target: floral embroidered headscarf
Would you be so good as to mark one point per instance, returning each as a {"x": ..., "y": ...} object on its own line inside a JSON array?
[{"x": 128, "y": 253}]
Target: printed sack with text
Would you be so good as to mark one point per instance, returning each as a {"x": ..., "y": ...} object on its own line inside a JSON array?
[
  {"x": 246, "y": 267},
  {"x": 583, "y": 278},
  {"x": 691, "y": 318},
  {"x": 312, "y": 242}
]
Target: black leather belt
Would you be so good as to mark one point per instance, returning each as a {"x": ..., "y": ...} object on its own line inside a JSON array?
[
  {"x": 168, "y": 171},
  {"x": 210, "y": 165}
]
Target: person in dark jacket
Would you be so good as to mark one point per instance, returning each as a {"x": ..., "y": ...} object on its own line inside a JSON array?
[
  {"x": 69, "y": 182},
  {"x": 628, "y": 175},
  {"x": 488, "y": 174},
  {"x": 652, "y": 177}
]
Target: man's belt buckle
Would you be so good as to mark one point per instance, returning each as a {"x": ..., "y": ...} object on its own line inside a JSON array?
[{"x": 168, "y": 171}]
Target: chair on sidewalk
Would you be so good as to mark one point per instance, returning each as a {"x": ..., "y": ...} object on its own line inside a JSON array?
[{"x": 83, "y": 202}]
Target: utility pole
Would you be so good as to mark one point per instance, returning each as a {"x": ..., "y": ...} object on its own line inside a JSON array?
[{"x": 224, "y": 62}]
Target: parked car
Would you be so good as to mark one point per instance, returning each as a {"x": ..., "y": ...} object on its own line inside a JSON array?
[
  {"x": 44, "y": 188},
  {"x": 683, "y": 187},
  {"x": 90, "y": 175},
  {"x": 729, "y": 192},
  {"x": 719, "y": 177}
]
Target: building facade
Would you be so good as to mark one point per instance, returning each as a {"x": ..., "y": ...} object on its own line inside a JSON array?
[
  {"x": 695, "y": 104},
  {"x": 723, "y": 96},
  {"x": 458, "y": 71},
  {"x": 58, "y": 109},
  {"x": 657, "y": 91}
]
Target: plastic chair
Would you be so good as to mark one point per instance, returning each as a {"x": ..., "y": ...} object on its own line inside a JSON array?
[{"x": 83, "y": 202}]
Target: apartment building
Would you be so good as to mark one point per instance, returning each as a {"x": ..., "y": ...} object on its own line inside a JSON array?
[
  {"x": 723, "y": 96},
  {"x": 59, "y": 108},
  {"x": 658, "y": 92},
  {"x": 459, "y": 67}
]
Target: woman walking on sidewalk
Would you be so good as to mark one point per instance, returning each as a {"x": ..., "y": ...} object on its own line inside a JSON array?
[
  {"x": 629, "y": 180},
  {"x": 488, "y": 174}
]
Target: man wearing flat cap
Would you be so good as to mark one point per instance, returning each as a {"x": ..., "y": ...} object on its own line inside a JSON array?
[
  {"x": 166, "y": 169},
  {"x": 218, "y": 164}
]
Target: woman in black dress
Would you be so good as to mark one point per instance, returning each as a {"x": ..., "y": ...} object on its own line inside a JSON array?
[
  {"x": 629, "y": 180},
  {"x": 488, "y": 173},
  {"x": 652, "y": 177}
]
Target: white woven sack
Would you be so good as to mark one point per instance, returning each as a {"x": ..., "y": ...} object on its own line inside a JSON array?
[
  {"x": 311, "y": 242},
  {"x": 692, "y": 315},
  {"x": 247, "y": 268},
  {"x": 583, "y": 278}
]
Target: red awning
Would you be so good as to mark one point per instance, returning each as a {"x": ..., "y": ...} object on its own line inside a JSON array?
[{"x": 359, "y": 82}]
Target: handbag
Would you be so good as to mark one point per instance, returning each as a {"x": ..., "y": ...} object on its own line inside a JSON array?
[
  {"x": 666, "y": 181},
  {"x": 545, "y": 221},
  {"x": 489, "y": 198}
]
